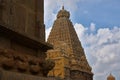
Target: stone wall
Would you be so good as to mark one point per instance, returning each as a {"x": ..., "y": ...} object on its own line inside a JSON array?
[
  {"x": 14, "y": 61},
  {"x": 22, "y": 54},
  {"x": 9, "y": 44},
  {"x": 22, "y": 41},
  {"x": 6, "y": 75},
  {"x": 24, "y": 16},
  {"x": 76, "y": 75}
]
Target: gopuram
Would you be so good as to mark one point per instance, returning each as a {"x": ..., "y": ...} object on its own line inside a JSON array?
[{"x": 68, "y": 54}]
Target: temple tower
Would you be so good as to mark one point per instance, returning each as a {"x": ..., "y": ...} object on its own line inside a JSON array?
[
  {"x": 110, "y": 77},
  {"x": 63, "y": 31}
]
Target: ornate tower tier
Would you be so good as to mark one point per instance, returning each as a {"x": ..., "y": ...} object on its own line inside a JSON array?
[{"x": 63, "y": 31}]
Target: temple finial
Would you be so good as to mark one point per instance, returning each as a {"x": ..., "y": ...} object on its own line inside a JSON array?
[
  {"x": 63, "y": 7},
  {"x": 62, "y": 4},
  {"x": 110, "y": 73}
]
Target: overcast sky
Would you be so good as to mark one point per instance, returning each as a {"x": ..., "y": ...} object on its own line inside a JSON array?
[{"x": 97, "y": 23}]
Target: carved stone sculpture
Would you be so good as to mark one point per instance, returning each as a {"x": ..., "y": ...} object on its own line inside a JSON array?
[
  {"x": 21, "y": 63},
  {"x": 11, "y": 60},
  {"x": 34, "y": 66},
  {"x": 47, "y": 66},
  {"x": 8, "y": 60}
]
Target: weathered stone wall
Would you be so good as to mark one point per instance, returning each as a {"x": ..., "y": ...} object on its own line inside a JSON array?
[
  {"x": 24, "y": 16},
  {"x": 76, "y": 75},
  {"x": 6, "y": 75},
  {"x": 14, "y": 61},
  {"x": 22, "y": 41},
  {"x": 6, "y": 43},
  {"x": 61, "y": 57}
]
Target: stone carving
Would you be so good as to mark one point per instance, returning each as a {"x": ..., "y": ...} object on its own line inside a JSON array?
[
  {"x": 7, "y": 59},
  {"x": 84, "y": 65},
  {"x": 11, "y": 60},
  {"x": 47, "y": 66},
  {"x": 34, "y": 66},
  {"x": 21, "y": 62},
  {"x": 60, "y": 54}
]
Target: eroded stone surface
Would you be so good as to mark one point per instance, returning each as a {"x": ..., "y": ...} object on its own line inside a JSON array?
[
  {"x": 14, "y": 61},
  {"x": 7, "y": 75}
]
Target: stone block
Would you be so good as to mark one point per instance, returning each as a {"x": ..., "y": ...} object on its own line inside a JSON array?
[{"x": 6, "y": 75}]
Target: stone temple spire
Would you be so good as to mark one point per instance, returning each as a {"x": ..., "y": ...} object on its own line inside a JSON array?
[
  {"x": 63, "y": 7},
  {"x": 110, "y": 77},
  {"x": 64, "y": 31}
]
